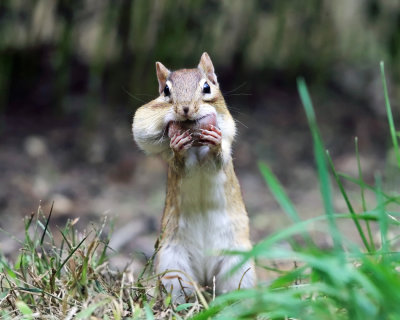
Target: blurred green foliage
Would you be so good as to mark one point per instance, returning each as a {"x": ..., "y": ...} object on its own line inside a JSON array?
[{"x": 54, "y": 49}]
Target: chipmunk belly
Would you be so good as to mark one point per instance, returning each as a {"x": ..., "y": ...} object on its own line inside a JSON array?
[{"x": 204, "y": 225}]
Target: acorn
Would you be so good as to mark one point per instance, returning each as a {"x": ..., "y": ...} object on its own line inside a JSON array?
[{"x": 193, "y": 126}]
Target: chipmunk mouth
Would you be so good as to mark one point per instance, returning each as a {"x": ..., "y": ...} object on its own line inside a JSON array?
[{"x": 193, "y": 125}]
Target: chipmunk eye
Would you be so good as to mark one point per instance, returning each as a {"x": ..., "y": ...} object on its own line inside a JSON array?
[
  {"x": 166, "y": 91},
  {"x": 206, "y": 88}
]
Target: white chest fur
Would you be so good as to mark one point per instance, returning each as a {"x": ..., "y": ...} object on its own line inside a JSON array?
[
  {"x": 204, "y": 222},
  {"x": 204, "y": 225}
]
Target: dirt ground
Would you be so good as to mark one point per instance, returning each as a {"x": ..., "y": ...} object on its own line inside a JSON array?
[{"x": 92, "y": 174}]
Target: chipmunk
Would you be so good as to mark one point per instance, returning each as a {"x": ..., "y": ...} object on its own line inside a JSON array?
[{"x": 190, "y": 126}]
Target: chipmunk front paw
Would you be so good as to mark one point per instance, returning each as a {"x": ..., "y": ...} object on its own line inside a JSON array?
[
  {"x": 211, "y": 136},
  {"x": 181, "y": 141}
]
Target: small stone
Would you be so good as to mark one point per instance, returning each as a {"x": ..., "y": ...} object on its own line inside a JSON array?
[
  {"x": 35, "y": 146},
  {"x": 62, "y": 204}
]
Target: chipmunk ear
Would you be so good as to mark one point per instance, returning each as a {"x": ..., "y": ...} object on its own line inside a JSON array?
[
  {"x": 207, "y": 67},
  {"x": 162, "y": 75}
]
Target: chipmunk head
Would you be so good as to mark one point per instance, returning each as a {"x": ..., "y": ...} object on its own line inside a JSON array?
[
  {"x": 192, "y": 93},
  {"x": 189, "y": 99}
]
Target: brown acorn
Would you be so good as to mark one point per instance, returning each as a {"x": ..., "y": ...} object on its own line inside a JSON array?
[{"x": 193, "y": 126}]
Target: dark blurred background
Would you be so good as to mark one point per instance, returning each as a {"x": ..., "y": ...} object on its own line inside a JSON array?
[{"x": 72, "y": 74}]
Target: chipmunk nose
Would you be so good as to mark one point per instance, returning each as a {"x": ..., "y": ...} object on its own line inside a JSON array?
[{"x": 185, "y": 109}]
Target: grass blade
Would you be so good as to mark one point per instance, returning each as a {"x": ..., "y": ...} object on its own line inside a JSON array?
[
  {"x": 47, "y": 224},
  {"x": 362, "y": 190},
  {"x": 360, "y": 176},
  {"x": 86, "y": 313},
  {"x": 282, "y": 198},
  {"x": 388, "y": 198},
  {"x": 383, "y": 223},
  {"x": 25, "y": 310},
  {"x": 349, "y": 206},
  {"x": 70, "y": 255},
  {"x": 278, "y": 192},
  {"x": 319, "y": 154},
  {"x": 390, "y": 116},
  {"x": 148, "y": 312},
  {"x": 65, "y": 239}
]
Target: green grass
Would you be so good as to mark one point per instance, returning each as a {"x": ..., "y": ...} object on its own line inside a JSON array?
[
  {"x": 346, "y": 281},
  {"x": 70, "y": 277}
]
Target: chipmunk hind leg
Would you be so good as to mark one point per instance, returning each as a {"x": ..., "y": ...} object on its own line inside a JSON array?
[
  {"x": 245, "y": 277},
  {"x": 174, "y": 258}
]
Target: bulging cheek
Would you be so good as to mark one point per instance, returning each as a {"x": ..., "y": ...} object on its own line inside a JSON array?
[{"x": 205, "y": 122}]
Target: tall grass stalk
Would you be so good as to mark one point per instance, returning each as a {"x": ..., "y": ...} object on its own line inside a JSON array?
[
  {"x": 390, "y": 116},
  {"x": 346, "y": 198},
  {"x": 320, "y": 158},
  {"x": 362, "y": 193}
]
